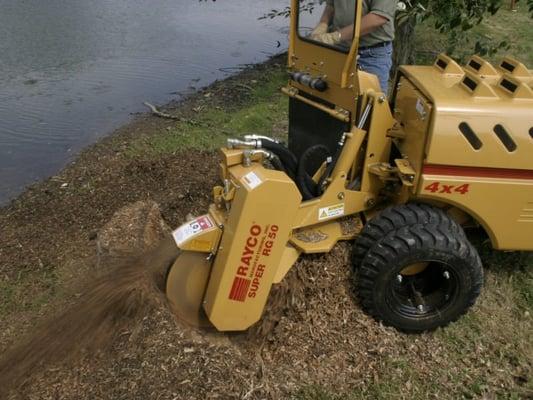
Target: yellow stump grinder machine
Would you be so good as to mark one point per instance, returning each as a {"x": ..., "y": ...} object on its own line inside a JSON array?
[{"x": 399, "y": 176}]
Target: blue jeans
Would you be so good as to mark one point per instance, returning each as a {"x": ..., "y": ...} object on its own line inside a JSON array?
[{"x": 377, "y": 61}]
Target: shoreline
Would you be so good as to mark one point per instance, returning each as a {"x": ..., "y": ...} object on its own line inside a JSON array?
[{"x": 139, "y": 121}]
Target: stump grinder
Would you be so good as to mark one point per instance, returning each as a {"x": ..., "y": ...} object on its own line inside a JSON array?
[{"x": 398, "y": 175}]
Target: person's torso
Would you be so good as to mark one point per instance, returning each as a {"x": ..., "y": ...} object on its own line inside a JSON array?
[{"x": 345, "y": 15}]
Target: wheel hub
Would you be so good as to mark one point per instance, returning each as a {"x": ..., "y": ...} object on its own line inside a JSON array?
[{"x": 423, "y": 289}]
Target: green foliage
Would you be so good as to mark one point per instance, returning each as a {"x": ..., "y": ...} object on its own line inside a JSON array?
[
  {"x": 455, "y": 18},
  {"x": 512, "y": 28},
  {"x": 452, "y": 19},
  {"x": 530, "y": 7}
]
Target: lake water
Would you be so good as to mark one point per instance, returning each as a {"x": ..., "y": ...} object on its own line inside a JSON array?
[{"x": 72, "y": 71}]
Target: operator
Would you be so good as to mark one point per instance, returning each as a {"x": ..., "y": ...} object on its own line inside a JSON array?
[{"x": 377, "y": 33}]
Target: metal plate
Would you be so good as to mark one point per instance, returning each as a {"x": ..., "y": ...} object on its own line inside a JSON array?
[
  {"x": 185, "y": 287},
  {"x": 309, "y": 126}
]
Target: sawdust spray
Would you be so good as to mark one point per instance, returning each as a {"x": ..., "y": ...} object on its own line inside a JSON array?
[{"x": 125, "y": 293}]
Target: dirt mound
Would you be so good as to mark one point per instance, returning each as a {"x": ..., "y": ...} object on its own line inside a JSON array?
[{"x": 133, "y": 230}]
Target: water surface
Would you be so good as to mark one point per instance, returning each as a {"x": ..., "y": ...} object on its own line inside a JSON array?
[{"x": 71, "y": 71}]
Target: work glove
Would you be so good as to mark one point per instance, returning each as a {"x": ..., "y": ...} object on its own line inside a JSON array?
[
  {"x": 331, "y": 38},
  {"x": 320, "y": 29}
]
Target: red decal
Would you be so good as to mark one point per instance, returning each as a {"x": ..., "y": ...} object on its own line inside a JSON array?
[
  {"x": 204, "y": 222},
  {"x": 434, "y": 187},
  {"x": 478, "y": 172},
  {"x": 251, "y": 268},
  {"x": 446, "y": 189},
  {"x": 463, "y": 189},
  {"x": 239, "y": 289}
]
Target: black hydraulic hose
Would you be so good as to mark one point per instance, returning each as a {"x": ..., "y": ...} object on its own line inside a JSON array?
[
  {"x": 305, "y": 186},
  {"x": 278, "y": 165},
  {"x": 308, "y": 187},
  {"x": 285, "y": 155}
]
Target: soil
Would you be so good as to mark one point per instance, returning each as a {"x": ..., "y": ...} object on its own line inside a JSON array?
[
  {"x": 117, "y": 339},
  {"x": 128, "y": 290}
]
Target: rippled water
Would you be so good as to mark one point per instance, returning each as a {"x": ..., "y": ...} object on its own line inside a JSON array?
[{"x": 73, "y": 70}]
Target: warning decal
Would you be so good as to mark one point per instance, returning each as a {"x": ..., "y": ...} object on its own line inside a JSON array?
[
  {"x": 252, "y": 180},
  {"x": 331, "y": 212},
  {"x": 188, "y": 230}
]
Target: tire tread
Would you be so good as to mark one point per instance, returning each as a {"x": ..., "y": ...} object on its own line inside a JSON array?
[{"x": 404, "y": 241}]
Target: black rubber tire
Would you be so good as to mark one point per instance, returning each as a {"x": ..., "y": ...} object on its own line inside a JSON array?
[
  {"x": 378, "y": 285},
  {"x": 396, "y": 217}
]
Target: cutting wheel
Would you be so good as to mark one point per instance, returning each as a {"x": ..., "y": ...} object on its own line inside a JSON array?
[{"x": 185, "y": 287}]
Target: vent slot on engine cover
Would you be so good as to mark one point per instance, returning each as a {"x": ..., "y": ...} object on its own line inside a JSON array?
[
  {"x": 508, "y": 85},
  {"x": 442, "y": 64},
  {"x": 481, "y": 68},
  {"x": 514, "y": 67},
  {"x": 470, "y": 136},
  {"x": 505, "y": 138},
  {"x": 470, "y": 83},
  {"x": 447, "y": 65},
  {"x": 507, "y": 66},
  {"x": 475, "y": 65},
  {"x": 514, "y": 87},
  {"x": 477, "y": 86}
]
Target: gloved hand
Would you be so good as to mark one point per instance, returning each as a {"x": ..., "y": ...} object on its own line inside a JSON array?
[
  {"x": 320, "y": 29},
  {"x": 331, "y": 38}
]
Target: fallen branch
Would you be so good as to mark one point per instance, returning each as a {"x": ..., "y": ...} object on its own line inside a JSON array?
[
  {"x": 155, "y": 111},
  {"x": 247, "y": 87}
]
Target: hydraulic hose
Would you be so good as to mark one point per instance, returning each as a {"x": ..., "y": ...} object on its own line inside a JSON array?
[
  {"x": 285, "y": 155},
  {"x": 308, "y": 187},
  {"x": 278, "y": 165}
]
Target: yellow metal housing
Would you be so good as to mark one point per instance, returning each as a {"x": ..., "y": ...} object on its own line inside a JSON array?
[
  {"x": 252, "y": 246},
  {"x": 469, "y": 134}
]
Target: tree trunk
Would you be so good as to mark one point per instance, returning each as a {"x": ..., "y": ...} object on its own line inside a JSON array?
[{"x": 404, "y": 44}]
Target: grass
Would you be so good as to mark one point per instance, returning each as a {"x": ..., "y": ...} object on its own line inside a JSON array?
[
  {"x": 516, "y": 28},
  {"x": 263, "y": 110},
  {"x": 14, "y": 293}
]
